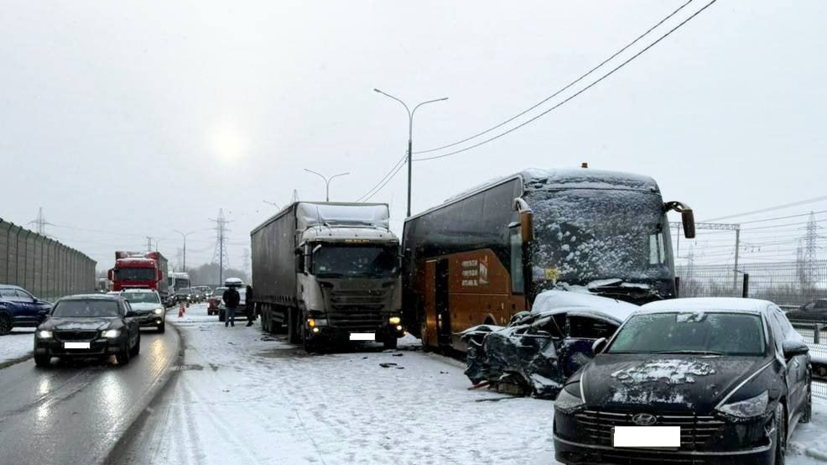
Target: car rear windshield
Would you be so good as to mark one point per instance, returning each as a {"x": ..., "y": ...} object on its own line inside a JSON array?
[
  {"x": 141, "y": 297},
  {"x": 691, "y": 333},
  {"x": 86, "y": 309}
]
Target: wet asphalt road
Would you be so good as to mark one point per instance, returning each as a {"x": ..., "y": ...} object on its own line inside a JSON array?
[{"x": 74, "y": 413}]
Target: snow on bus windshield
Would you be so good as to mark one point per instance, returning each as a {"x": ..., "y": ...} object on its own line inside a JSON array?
[{"x": 582, "y": 235}]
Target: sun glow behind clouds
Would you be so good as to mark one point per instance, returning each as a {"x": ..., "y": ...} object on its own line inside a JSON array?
[{"x": 227, "y": 143}]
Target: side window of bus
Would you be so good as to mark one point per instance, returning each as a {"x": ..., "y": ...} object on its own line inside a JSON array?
[
  {"x": 657, "y": 253},
  {"x": 516, "y": 241}
]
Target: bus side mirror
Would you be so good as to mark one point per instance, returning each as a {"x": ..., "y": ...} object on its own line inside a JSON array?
[
  {"x": 526, "y": 219},
  {"x": 687, "y": 217}
]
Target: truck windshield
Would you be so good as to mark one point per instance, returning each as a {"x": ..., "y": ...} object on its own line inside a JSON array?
[
  {"x": 585, "y": 235},
  {"x": 135, "y": 274},
  {"x": 355, "y": 261},
  {"x": 691, "y": 333}
]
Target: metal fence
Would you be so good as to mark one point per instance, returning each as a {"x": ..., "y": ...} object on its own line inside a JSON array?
[
  {"x": 785, "y": 283},
  {"x": 43, "y": 266}
]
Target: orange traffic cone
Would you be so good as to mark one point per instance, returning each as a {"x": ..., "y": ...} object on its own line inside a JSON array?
[{"x": 181, "y": 311}]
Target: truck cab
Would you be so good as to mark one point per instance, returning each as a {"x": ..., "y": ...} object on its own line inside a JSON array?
[{"x": 349, "y": 284}]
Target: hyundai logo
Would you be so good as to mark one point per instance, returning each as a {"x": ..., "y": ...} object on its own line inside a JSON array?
[{"x": 644, "y": 419}]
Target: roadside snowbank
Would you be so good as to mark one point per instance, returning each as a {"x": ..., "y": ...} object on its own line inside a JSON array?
[{"x": 17, "y": 345}]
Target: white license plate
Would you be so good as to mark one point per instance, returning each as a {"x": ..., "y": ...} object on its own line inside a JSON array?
[
  {"x": 647, "y": 436},
  {"x": 362, "y": 336},
  {"x": 76, "y": 345}
]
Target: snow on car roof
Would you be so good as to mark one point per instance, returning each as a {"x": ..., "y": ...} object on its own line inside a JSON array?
[
  {"x": 555, "y": 301},
  {"x": 707, "y": 304}
]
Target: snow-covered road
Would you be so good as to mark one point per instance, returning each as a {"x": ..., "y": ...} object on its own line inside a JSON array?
[{"x": 245, "y": 397}]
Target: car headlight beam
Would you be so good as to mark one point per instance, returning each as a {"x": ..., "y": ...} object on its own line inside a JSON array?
[
  {"x": 44, "y": 334},
  {"x": 747, "y": 408},
  {"x": 159, "y": 311},
  {"x": 394, "y": 320},
  {"x": 111, "y": 333}
]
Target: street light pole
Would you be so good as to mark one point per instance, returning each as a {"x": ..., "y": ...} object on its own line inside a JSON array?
[
  {"x": 410, "y": 136},
  {"x": 327, "y": 181},
  {"x": 184, "y": 235}
]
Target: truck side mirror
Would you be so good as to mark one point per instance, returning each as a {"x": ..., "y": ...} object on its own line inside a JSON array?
[
  {"x": 111, "y": 275},
  {"x": 526, "y": 219},
  {"x": 158, "y": 275}
]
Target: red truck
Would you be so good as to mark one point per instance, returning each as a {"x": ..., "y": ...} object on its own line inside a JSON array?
[{"x": 146, "y": 270}]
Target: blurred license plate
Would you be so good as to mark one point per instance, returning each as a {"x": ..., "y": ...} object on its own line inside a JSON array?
[
  {"x": 647, "y": 436},
  {"x": 76, "y": 345},
  {"x": 362, "y": 336}
]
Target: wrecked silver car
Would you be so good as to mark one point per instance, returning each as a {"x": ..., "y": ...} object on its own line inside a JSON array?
[{"x": 538, "y": 350}]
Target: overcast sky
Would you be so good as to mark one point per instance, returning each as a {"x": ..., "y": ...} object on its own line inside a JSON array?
[{"x": 133, "y": 119}]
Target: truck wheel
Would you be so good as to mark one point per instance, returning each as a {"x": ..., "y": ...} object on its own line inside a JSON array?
[
  {"x": 390, "y": 343},
  {"x": 294, "y": 326}
]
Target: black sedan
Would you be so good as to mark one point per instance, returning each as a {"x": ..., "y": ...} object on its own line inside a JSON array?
[
  {"x": 815, "y": 311},
  {"x": 688, "y": 381},
  {"x": 85, "y": 326}
]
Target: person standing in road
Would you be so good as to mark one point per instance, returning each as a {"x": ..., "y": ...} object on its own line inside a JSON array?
[
  {"x": 231, "y": 299},
  {"x": 250, "y": 306}
]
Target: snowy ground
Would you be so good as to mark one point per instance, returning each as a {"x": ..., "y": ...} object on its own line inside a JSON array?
[
  {"x": 245, "y": 396},
  {"x": 16, "y": 345}
]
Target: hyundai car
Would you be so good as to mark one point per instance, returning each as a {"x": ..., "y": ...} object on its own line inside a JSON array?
[
  {"x": 694, "y": 381},
  {"x": 88, "y": 326}
]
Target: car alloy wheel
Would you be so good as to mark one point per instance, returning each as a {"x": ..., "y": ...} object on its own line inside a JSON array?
[{"x": 5, "y": 325}]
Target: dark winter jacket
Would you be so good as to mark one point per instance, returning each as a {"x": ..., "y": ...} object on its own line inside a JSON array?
[
  {"x": 231, "y": 298},
  {"x": 249, "y": 297}
]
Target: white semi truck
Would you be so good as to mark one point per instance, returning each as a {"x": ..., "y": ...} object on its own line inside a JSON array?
[{"x": 328, "y": 272}]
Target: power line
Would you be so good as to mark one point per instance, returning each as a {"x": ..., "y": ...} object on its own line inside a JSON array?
[
  {"x": 568, "y": 86},
  {"x": 783, "y": 217},
  {"x": 769, "y": 209},
  {"x": 379, "y": 185},
  {"x": 535, "y": 118}
]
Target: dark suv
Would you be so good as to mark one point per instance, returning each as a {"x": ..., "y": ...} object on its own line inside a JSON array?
[
  {"x": 18, "y": 308},
  {"x": 85, "y": 326},
  {"x": 688, "y": 381}
]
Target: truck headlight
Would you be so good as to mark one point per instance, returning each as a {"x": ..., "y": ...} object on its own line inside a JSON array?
[
  {"x": 44, "y": 334},
  {"x": 159, "y": 311},
  {"x": 395, "y": 320},
  {"x": 747, "y": 408},
  {"x": 314, "y": 322},
  {"x": 111, "y": 333}
]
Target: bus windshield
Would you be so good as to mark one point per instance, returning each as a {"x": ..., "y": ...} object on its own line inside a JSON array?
[{"x": 586, "y": 235}]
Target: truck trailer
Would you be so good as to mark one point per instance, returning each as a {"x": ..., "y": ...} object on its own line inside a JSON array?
[
  {"x": 328, "y": 272},
  {"x": 146, "y": 270}
]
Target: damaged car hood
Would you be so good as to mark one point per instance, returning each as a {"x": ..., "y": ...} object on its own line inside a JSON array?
[{"x": 668, "y": 382}]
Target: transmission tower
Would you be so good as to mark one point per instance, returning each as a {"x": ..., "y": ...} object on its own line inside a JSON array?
[
  {"x": 811, "y": 275},
  {"x": 40, "y": 222},
  {"x": 246, "y": 260},
  {"x": 221, "y": 254}
]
